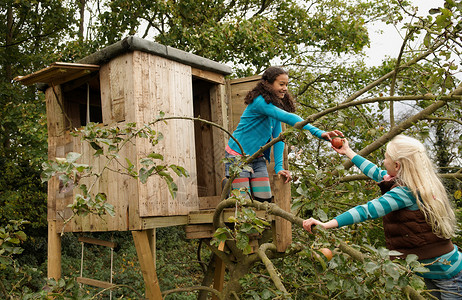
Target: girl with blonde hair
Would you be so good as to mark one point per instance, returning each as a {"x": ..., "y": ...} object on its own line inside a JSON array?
[{"x": 417, "y": 215}]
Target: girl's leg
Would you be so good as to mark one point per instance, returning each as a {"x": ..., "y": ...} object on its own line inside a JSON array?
[
  {"x": 450, "y": 288},
  {"x": 259, "y": 180},
  {"x": 241, "y": 182},
  {"x": 431, "y": 286}
]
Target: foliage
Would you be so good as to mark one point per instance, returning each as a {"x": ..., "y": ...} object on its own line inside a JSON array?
[
  {"x": 246, "y": 225},
  {"x": 308, "y": 274},
  {"x": 313, "y": 40},
  {"x": 248, "y": 34},
  {"x": 107, "y": 142}
]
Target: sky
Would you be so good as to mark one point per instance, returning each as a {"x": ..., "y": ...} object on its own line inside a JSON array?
[{"x": 388, "y": 43}]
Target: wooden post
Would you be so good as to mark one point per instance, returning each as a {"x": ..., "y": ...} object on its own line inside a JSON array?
[
  {"x": 282, "y": 227},
  {"x": 146, "y": 261},
  {"x": 54, "y": 251},
  {"x": 152, "y": 244},
  {"x": 219, "y": 278}
]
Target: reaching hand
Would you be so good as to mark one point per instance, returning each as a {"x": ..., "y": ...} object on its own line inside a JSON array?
[
  {"x": 286, "y": 174},
  {"x": 308, "y": 223},
  {"x": 329, "y": 135},
  {"x": 345, "y": 147}
]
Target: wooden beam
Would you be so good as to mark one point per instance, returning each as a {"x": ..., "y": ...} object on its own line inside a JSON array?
[
  {"x": 201, "y": 231},
  {"x": 219, "y": 277},
  {"x": 208, "y": 76},
  {"x": 58, "y": 73},
  {"x": 158, "y": 222},
  {"x": 94, "y": 282},
  {"x": 143, "y": 249},
  {"x": 206, "y": 216},
  {"x": 98, "y": 242},
  {"x": 54, "y": 251},
  {"x": 283, "y": 228},
  {"x": 152, "y": 244}
]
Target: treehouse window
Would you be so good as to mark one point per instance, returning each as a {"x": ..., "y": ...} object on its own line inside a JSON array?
[{"x": 82, "y": 101}]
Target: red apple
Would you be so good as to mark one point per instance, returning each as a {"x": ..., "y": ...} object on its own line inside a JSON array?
[
  {"x": 337, "y": 142},
  {"x": 327, "y": 253}
]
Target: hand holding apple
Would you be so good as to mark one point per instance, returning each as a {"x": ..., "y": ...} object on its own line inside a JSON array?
[{"x": 337, "y": 142}]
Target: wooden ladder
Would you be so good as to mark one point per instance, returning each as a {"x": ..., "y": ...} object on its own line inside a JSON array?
[{"x": 90, "y": 281}]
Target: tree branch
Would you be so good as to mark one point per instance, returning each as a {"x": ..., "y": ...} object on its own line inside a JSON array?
[
  {"x": 270, "y": 267},
  {"x": 194, "y": 288},
  {"x": 391, "y": 73},
  {"x": 444, "y": 119}
]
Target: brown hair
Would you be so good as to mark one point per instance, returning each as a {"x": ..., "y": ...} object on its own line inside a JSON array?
[{"x": 265, "y": 89}]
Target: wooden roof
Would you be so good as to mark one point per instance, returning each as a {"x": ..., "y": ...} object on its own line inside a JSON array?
[{"x": 58, "y": 73}]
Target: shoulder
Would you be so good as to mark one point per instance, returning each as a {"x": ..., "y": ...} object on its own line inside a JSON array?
[{"x": 259, "y": 103}]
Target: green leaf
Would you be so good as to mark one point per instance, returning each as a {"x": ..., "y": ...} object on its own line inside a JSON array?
[
  {"x": 370, "y": 267},
  {"x": 392, "y": 270},
  {"x": 72, "y": 157},
  {"x": 321, "y": 215},
  {"x": 154, "y": 155},
  {"x": 242, "y": 240}
]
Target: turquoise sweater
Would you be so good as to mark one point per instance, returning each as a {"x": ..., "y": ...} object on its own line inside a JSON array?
[
  {"x": 396, "y": 199},
  {"x": 259, "y": 123}
]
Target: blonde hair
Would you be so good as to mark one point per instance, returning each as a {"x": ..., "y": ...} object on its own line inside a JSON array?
[{"x": 418, "y": 174}]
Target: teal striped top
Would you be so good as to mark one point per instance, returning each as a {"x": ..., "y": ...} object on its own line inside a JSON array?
[{"x": 447, "y": 265}]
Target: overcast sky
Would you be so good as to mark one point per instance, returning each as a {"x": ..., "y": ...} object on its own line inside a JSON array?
[{"x": 388, "y": 43}]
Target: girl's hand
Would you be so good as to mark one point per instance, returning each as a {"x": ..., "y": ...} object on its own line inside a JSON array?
[
  {"x": 345, "y": 147},
  {"x": 308, "y": 223},
  {"x": 329, "y": 135},
  {"x": 286, "y": 174}
]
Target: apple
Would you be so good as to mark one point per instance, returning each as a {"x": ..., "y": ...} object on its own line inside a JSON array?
[
  {"x": 337, "y": 142},
  {"x": 327, "y": 253}
]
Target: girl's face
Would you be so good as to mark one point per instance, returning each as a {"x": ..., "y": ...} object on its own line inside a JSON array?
[
  {"x": 391, "y": 166},
  {"x": 280, "y": 85}
]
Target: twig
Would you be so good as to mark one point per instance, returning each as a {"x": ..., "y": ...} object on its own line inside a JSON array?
[{"x": 194, "y": 288}]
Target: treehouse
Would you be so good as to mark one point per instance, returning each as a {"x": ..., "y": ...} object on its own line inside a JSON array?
[{"x": 133, "y": 81}]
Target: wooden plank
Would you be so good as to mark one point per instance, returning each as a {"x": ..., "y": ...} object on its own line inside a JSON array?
[
  {"x": 94, "y": 282},
  {"x": 238, "y": 89},
  {"x": 201, "y": 231},
  {"x": 106, "y": 97},
  {"x": 98, "y": 242},
  {"x": 208, "y": 202},
  {"x": 163, "y": 85},
  {"x": 245, "y": 79},
  {"x": 219, "y": 276},
  {"x": 58, "y": 73},
  {"x": 55, "y": 116},
  {"x": 208, "y": 76},
  {"x": 203, "y": 217},
  {"x": 158, "y": 222},
  {"x": 148, "y": 268},
  {"x": 151, "y": 233},
  {"x": 54, "y": 251},
  {"x": 217, "y": 103},
  {"x": 283, "y": 228}
]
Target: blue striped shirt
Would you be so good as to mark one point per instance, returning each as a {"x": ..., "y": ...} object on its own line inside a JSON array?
[{"x": 448, "y": 265}]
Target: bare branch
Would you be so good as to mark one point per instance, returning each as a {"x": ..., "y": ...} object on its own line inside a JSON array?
[
  {"x": 194, "y": 288},
  {"x": 270, "y": 267}
]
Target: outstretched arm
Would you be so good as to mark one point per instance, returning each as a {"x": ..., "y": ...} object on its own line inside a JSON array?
[{"x": 309, "y": 223}]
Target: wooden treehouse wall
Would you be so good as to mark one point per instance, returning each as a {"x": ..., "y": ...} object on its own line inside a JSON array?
[{"x": 136, "y": 87}]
